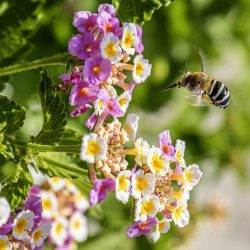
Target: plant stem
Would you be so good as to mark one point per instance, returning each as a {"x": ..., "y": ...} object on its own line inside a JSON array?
[
  {"x": 60, "y": 59},
  {"x": 74, "y": 149},
  {"x": 66, "y": 166}
]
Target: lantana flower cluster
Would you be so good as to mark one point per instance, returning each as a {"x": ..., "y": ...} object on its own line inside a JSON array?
[
  {"x": 25, "y": 228},
  {"x": 159, "y": 182},
  {"x": 110, "y": 64},
  {"x": 63, "y": 206}
]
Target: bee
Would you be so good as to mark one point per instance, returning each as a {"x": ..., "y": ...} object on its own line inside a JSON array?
[{"x": 204, "y": 87}]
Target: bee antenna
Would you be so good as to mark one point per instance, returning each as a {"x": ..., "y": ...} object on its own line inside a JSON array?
[
  {"x": 186, "y": 67},
  {"x": 171, "y": 86}
]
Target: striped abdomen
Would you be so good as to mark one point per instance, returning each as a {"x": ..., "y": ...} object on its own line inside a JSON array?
[{"x": 219, "y": 94}]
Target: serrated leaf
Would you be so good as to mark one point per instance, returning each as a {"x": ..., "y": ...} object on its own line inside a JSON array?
[
  {"x": 71, "y": 137},
  {"x": 11, "y": 115},
  {"x": 8, "y": 149},
  {"x": 16, "y": 187},
  {"x": 138, "y": 11},
  {"x": 17, "y": 23},
  {"x": 54, "y": 113}
]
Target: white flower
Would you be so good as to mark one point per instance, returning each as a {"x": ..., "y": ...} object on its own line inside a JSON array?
[
  {"x": 49, "y": 203},
  {"x": 158, "y": 164},
  {"x": 142, "y": 69},
  {"x": 23, "y": 222},
  {"x": 80, "y": 201},
  {"x": 110, "y": 48},
  {"x": 130, "y": 39},
  {"x": 59, "y": 230},
  {"x": 4, "y": 211},
  {"x": 38, "y": 177},
  {"x": 56, "y": 183},
  {"x": 5, "y": 243},
  {"x": 146, "y": 207},
  {"x": 78, "y": 227},
  {"x": 124, "y": 100},
  {"x": 131, "y": 126},
  {"x": 93, "y": 148},
  {"x": 70, "y": 186},
  {"x": 123, "y": 186},
  {"x": 179, "y": 152},
  {"x": 40, "y": 234},
  {"x": 142, "y": 184},
  {"x": 181, "y": 215},
  {"x": 142, "y": 148},
  {"x": 161, "y": 227},
  {"x": 192, "y": 176}
]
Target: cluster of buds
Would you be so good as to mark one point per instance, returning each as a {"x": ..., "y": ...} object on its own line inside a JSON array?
[
  {"x": 63, "y": 206},
  {"x": 25, "y": 228},
  {"x": 107, "y": 52},
  {"x": 159, "y": 180}
]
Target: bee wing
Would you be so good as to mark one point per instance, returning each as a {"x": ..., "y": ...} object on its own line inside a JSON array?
[
  {"x": 204, "y": 61},
  {"x": 199, "y": 100}
]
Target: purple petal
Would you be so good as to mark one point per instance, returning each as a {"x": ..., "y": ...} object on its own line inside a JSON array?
[
  {"x": 109, "y": 8},
  {"x": 91, "y": 121},
  {"x": 140, "y": 47},
  {"x": 34, "y": 204},
  {"x": 79, "y": 110},
  {"x": 6, "y": 228},
  {"x": 85, "y": 21}
]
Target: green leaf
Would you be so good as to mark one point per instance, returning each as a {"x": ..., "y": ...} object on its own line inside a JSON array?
[
  {"x": 71, "y": 137},
  {"x": 54, "y": 113},
  {"x": 16, "y": 187},
  {"x": 11, "y": 116},
  {"x": 18, "y": 23},
  {"x": 138, "y": 11},
  {"x": 8, "y": 149}
]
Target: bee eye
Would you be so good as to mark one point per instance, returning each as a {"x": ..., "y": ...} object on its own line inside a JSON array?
[{"x": 189, "y": 79}]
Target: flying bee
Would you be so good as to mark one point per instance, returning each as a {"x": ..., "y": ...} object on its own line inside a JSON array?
[{"x": 204, "y": 87}]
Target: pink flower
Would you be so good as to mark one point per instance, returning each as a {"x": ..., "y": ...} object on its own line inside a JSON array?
[
  {"x": 140, "y": 47},
  {"x": 141, "y": 228},
  {"x": 85, "y": 21},
  {"x": 166, "y": 144},
  {"x": 80, "y": 110},
  {"x": 109, "y": 8},
  {"x": 97, "y": 70},
  {"x": 83, "y": 46},
  {"x": 99, "y": 192}
]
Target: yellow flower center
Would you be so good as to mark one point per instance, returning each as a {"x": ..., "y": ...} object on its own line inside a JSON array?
[
  {"x": 141, "y": 183},
  {"x": 157, "y": 163},
  {"x": 110, "y": 49},
  {"x": 93, "y": 148},
  {"x": 37, "y": 235},
  {"x": 178, "y": 211},
  {"x": 59, "y": 228},
  {"x": 21, "y": 225},
  {"x": 147, "y": 207},
  {"x": 128, "y": 41},
  {"x": 77, "y": 225},
  {"x": 178, "y": 155},
  {"x": 188, "y": 175},
  {"x": 161, "y": 226},
  {"x": 122, "y": 101},
  {"x": 139, "y": 68},
  {"x": 47, "y": 204},
  {"x": 122, "y": 180},
  {"x": 3, "y": 245}
]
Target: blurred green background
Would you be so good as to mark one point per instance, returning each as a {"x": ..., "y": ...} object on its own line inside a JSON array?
[{"x": 217, "y": 140}]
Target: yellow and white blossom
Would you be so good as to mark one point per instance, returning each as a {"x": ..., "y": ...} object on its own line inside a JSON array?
[
  {"x": 81, "y": 202},
  {"x": 131, "y": 126},
  {"x": 110, "y": 48},
  {"x": 192, "y": 175},
  {"x": 49, "y": 203},
  {"x": 58, "y": 233},
  {"x": 4, "y": 211},
  {"x": 130, "y": 39},
  {"x": 142, "y": 184},
  {"x": 161, "y": 227},
  {"x": 5, "y": 243},
  {"x": 146, "y": 207},
  {"x": 22, "y": 223},
  {"x": 78, "y": 227},
  {"x": 56, "y": 183},
  {"x": 180, "y": 215},
  {"x": 142, "y": 148},
  {"x": 158, "y": 164},
  {"x": 179, "y": 153},
  {"x": 39, "y": 234},
  {"x": 124, "y": 100},
  {"x": 123, "y": 185},
  {"x": 141, "y": 70},
  {"x": 93, "y": 148}
]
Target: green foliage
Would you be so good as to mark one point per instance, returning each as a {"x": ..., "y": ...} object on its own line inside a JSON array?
[
  {"x": 11, "y": 116},
  {"x": 17, "y": 23},
  {"x": 8, "y": 150},
  {"x": 138, "y": 11},
  {"x": 16, "y": 187},
  {"x": 54, "y": 114}
]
